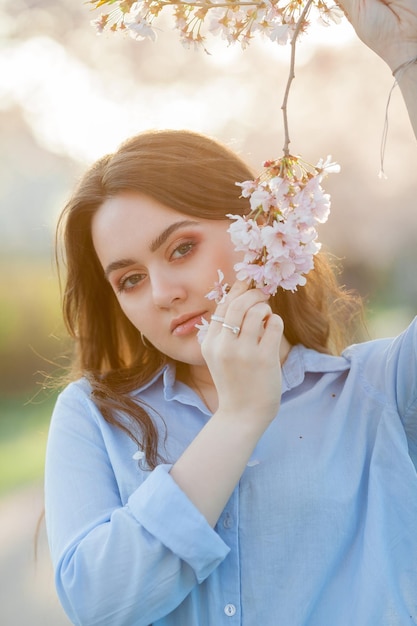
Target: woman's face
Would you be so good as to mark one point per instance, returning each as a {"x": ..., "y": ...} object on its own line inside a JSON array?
[{"x": 161, "y": 264}]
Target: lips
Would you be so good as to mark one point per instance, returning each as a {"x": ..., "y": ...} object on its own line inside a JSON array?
[{"x": 185, "y": 324}]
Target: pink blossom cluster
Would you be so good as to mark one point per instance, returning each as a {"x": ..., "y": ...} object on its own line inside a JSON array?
[
  {"x": 279, "y": 237},
  {"x": 233, "y": 21}
]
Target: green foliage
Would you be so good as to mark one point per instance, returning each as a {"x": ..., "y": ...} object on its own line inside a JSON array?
[
  {"x": 31, "y": 331},
  {"x": 31, "y": 349},
  {"x": 23, "y": 434}
]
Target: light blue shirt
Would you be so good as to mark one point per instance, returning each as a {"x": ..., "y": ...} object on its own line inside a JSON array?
[{"x": 320, "y": 531}]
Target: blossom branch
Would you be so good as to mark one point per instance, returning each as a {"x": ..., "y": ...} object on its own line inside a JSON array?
[
  {"x": 234, "y": 21},
  {"x": 291, "y": 75},
  {"x": 210, "y": 5}
]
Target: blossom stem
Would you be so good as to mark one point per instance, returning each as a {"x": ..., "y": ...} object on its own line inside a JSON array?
[
  {"x": 206, "y": 5},
  {"x": 291, "y": 75}
]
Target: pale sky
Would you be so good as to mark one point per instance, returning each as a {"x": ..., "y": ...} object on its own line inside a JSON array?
[{"x": 72, "y": 111}]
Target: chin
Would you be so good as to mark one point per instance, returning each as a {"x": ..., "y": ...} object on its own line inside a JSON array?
[{"x": 189, "y": 353}]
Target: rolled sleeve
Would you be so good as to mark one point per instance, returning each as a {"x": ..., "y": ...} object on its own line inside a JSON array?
[{"x": 164, "y": 510}]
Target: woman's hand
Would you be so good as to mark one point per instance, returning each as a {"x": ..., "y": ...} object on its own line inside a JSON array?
[
  {"x": 244, "y": 356},
  {"x": 388, "y": 27}
]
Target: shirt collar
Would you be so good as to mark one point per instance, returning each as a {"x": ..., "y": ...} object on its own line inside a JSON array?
[
  {"x": 299, "y": 361},
  {"x": 174, "y": 389}
]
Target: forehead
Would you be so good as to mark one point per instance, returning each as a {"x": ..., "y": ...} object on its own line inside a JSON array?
[
  {"x": 132, "y": 206},
  {"x": 128, "y": 221}
]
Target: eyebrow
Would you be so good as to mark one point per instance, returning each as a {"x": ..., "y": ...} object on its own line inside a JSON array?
[
  {"x": 155, "y": 244},
  {"x": 161, "y": 239}
]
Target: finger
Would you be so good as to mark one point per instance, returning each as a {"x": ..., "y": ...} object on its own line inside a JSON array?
[
  {"x": 249, "y": 323},
  {"x": 238, "y": 288},
  {"x": 254, "y": 321},
  {"x": 273, "y": 331},
  {"x": 271, "y": 339},
  {"x": 233, "y": 309},
  {"x": 240, "y": 300}
]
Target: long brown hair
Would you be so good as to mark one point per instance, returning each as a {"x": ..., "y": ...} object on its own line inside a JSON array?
[{"x": 195, "y": 175}]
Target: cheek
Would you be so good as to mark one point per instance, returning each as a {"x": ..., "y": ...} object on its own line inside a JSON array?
[
  {"x": 227, "y": 262},
  {"x": 134, "y": 313}
]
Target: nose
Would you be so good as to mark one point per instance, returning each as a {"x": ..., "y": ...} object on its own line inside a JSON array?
[{"x": 166, "y": 290}]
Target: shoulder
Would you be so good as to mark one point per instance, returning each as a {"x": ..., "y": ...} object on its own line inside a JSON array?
[
  {"x": 75, "y": 409},
  {"x": 78, "y": 401},
  {"x": 77, "y": 388},
  {"x": 389, "y": 366},
  {"x": 81, "y": 390},
  {"x": 390, "y": 348},
  {"x": 78, "y": 392}
]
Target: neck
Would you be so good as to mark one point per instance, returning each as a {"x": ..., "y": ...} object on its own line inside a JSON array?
[{"x": 199, "y": 379}]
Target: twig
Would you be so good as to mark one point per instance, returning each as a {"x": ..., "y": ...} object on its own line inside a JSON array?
[{"x": 291, "y": 75}]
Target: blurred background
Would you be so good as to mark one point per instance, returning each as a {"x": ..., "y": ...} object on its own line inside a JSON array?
[{"x": 67, "y": 96}]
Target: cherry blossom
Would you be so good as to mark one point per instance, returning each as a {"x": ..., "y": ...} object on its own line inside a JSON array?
[
  {"x": 278, "y": 236},
  {"x": 220, "y": 290},
  {"x": 202, "y": 329},
  {"x": 233, "y": 21}
]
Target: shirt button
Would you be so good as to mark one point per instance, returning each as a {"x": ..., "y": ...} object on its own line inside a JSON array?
[
  {"x": 228, "y": 521},
  {"x": 230, "y": 609}
]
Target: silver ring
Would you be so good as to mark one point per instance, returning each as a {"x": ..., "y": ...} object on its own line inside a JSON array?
[
  {"x": 235, "y": 329},
  {"x": 217, "y": 318}
]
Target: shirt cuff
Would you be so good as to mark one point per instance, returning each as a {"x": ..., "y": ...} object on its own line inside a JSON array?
[{"x": 164, "y": 510}]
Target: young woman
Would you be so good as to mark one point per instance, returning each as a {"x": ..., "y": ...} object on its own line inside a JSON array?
[{"x": 262, "y": 477}]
